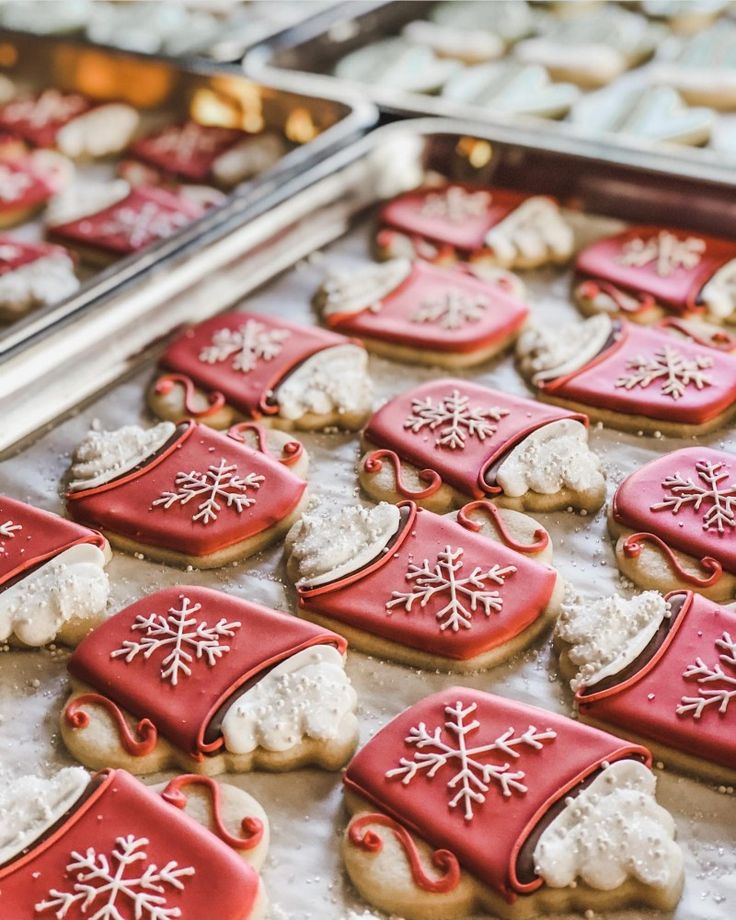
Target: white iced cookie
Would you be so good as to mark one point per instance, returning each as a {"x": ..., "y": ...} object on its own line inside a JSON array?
[
  {"x": 612, "y": 831},
  {"x": 531, "y": 235},
  {"x": 549, "y": 352},
  {"x": 30, "y": 805},
  {"x": 326, "y": 544},
  {"x": 83, "y": 199},
  {"x": 550, "y": 459},
  {"x": 104, "y": 455},
  {"x": 7, "y": 89},
  {"x": 332, "y": 381},
  {"x": 719, "y": 294},
  {"x": 349, "y": 292},
  {"x": 397, "y": 64},
  {"x": 47, "y": 280},
  {"x": 248, "y": 158},
  {"x": 307, "y": 696},
  {"x": 606, "y": 634},
  {"x": 101, "y": 132}
]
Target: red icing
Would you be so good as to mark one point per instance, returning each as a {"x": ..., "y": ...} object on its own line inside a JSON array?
[
  {"x": 679, "y": 290},
  {"x": 373, "y": 463},
  {"x": 77, "y": 717},
  {"x": 647, "y": 703},
  {"x": 463, "y": 468},
  {"x": 595, "y": 383},
  {"x": 221, "y": 884},
  {"x": 145, "y": 216},
  {"x": 410, "y": 213},
  {"x": 250, "y": 391},
  {"x": 360, "y": 599},
  {"x": 16, "y": 253},
  {"x": 126, "y": 505},
  {"x": 635, "y": 498},
  {"x": 38, "y": 120},
  {"x": 182, "y": 711},
  {"x": 165, "y": 384},
  {"x": 719, "y": 338},
  {"x": 632, "y": 550},
  {"x": 541, "y": 537},
  {"x": 187, "y": 150},
  {"x": 41, "y": 536},
  {"x": 291, "y": 452},
  {"x": 487, "y": 845},
  {"x": 22, "y": 186},
  {"x": 429, "y": 284}
]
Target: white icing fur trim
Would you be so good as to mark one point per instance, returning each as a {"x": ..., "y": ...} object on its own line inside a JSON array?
[
  {"x": 247, "y": 158},
  {"x": 352, "y": 292},
  {"x": 530, "y": 231},
  {"x": 47, "y": 280},
  {"x": 548, "y": 352},
  {"x": 100, "y": 132},
  {"x": 308, "y": 695},
  {"x": 84, "y": 199},
  {"x": 71, "y": 585},
  {"x": 105, "y": 455},
  {"x": 554, "y": 457},
  {"x": 30, "y": 805},
  {"x": 606, "y": 634},
  {"x": 332, "y": 380},
  {"x": 613, "y": 830},
  {"x": 329, "y": 544},
  {"x": 719, "y": 294}
]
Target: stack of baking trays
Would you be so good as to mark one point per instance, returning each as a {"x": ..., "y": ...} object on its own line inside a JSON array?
[{"x": 418, "y": 447}]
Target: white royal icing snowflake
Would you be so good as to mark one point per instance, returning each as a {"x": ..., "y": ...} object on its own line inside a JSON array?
[
  {"x": 670, "y": 367},
  {"x": 719, "y": 499},
  {"x": 248, "y": 345},
  {"x": 725, "y": 689},
  {"x": 188, "y": 140},
  {"x": 139, "y": 225},
  {"x": 219, "y": 482},
  {"x": 123, "y": 884},
  {"x": 7, "y": 531},
  {"x": 455, "y": 419},
  {"x": 456, "y": 204},
  {"x": 451, "y": 310},
  {"x": 473, "y": 777},
  {"x": 51, "y": 106},
  {"x": 185, "y": 633},
  {"x": 13, "y": 184},
  {"x": 665, "y": 251},
  {"x": 464, "y": 595}
]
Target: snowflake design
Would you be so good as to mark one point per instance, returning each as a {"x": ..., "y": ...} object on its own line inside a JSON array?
[
  {"x": 248, "y": 345},
  {"x": 454, "y": 418},
  {"x": 183, "y": 631},
  {"x": 465, "y": 595},
  {"x": 188, "y": 141},
  {"x": 665, "y": 250},
  {"x": 674, "y": 371},
  {"x": 104, "y": 882},
  {"x": 451, "y": 310},
  {"x": 472, "y": 778},
  {"x": 141, "y": 225},
  {"x": 706, "y": 674},
  {"x": 220, "y": 482},
  {"x": 50, "y": 107},
  {"x": 719, "y": 498},
  {"x": 456, "y": 204},
  {"x": 13, "y": 184},
  {"x": 7, "y": 531}
]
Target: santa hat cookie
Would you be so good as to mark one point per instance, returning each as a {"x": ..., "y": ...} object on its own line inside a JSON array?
[
  {"x": 74, "y": 844},
  {"x": 24, "y": 190},
  {"x": 631, "y": 377},
  {"x": 647, "y": 272},
  {"x": 204, "y": 681},
  {"x": 53, "y": 584},
  {"x": 188, "y": 495},
  {"x": 425, "y": 314},
  {"x": 673, "y": 522},
  {"x": 469, "y": 803},
  {"x": 448, "y": 441},
  {"x": 255, "y": 366},
  {"x": 659, "y": 669},
  {"x": 456, "y": 592},
  {"x": 486, "y": 226},
  {"x": 33, "y": 275}
]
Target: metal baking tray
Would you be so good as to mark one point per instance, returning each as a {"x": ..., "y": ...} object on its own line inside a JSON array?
[
  {"x": 280, "y": 258},
  {"x": 311, "y": 50},
  {"x": 312, "y": 125}
]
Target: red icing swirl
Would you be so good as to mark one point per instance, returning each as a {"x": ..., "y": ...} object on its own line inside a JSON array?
[
  {"x": 136, "y": 747},
  {"x": 541, "y": 537},
  {"x": 290, "y": 452},
  {"x": 166, "y": 383},
  {"x": 591, "y": 289},
  {"x": 632, "y": 548},
  {"x": 373, "y": 463}
]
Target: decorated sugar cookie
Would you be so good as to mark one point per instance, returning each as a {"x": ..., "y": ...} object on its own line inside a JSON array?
[
  {"x": 74, "y": 124},
  {"x": 695, "y": 329},
  {"x": 486, "y": 226},
  {"x": 469, "y": 803},
  {"x": 423, "y": 313},
  {"x": 256, "y": 366},
  {"x": 207, "y": 153},
  {"x": 661, "y": 669},
  {"x": 631, "y": 377},
  {"x": 33, "y": 275},
  {"x": 24, "y": 190},
  {"x": 108, "y": 847},
  {"x": 455, "y": 592},
  {"x": 398, "y": 64},
  {"x": 204, "y": 681},
  {"x": 673, "y": 522},
  {"x": 188, "y": 495},
  {"x": 685, "y": 16},
  {"x": 450, "y": 440},
  {"x": 703, "y": 67},
  {"x": 647, "y": 272},
  {"x": 53, "y": 584}
]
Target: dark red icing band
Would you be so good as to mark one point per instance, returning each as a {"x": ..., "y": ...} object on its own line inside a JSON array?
[
  {"x": 632, "y": 550},
  {"x": 166, "y": 383},
  {"x": 541, "y": 537},
  {"x": 290, "y": 453},
  {"x": 23, "y": 186},
  {"x": 76, "y": 718}
]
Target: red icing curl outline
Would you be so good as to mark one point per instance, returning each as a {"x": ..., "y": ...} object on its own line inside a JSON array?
[
  {"x": 374, "y": 462},
  {"x": 372, "y": 843},
  {"x": 252, "y": 827},
  {"x": 136, "y": 747},
  {"x": 290, "y": 452},
  {"x": 541, "y": 537},
  {"x": 165, "y": 384},
  {"x": 632, "y": 549},
  {"x": 590, "y": 288}
]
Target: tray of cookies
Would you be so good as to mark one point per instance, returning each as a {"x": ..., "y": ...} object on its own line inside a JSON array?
[{"x": 392, "y": 522}]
